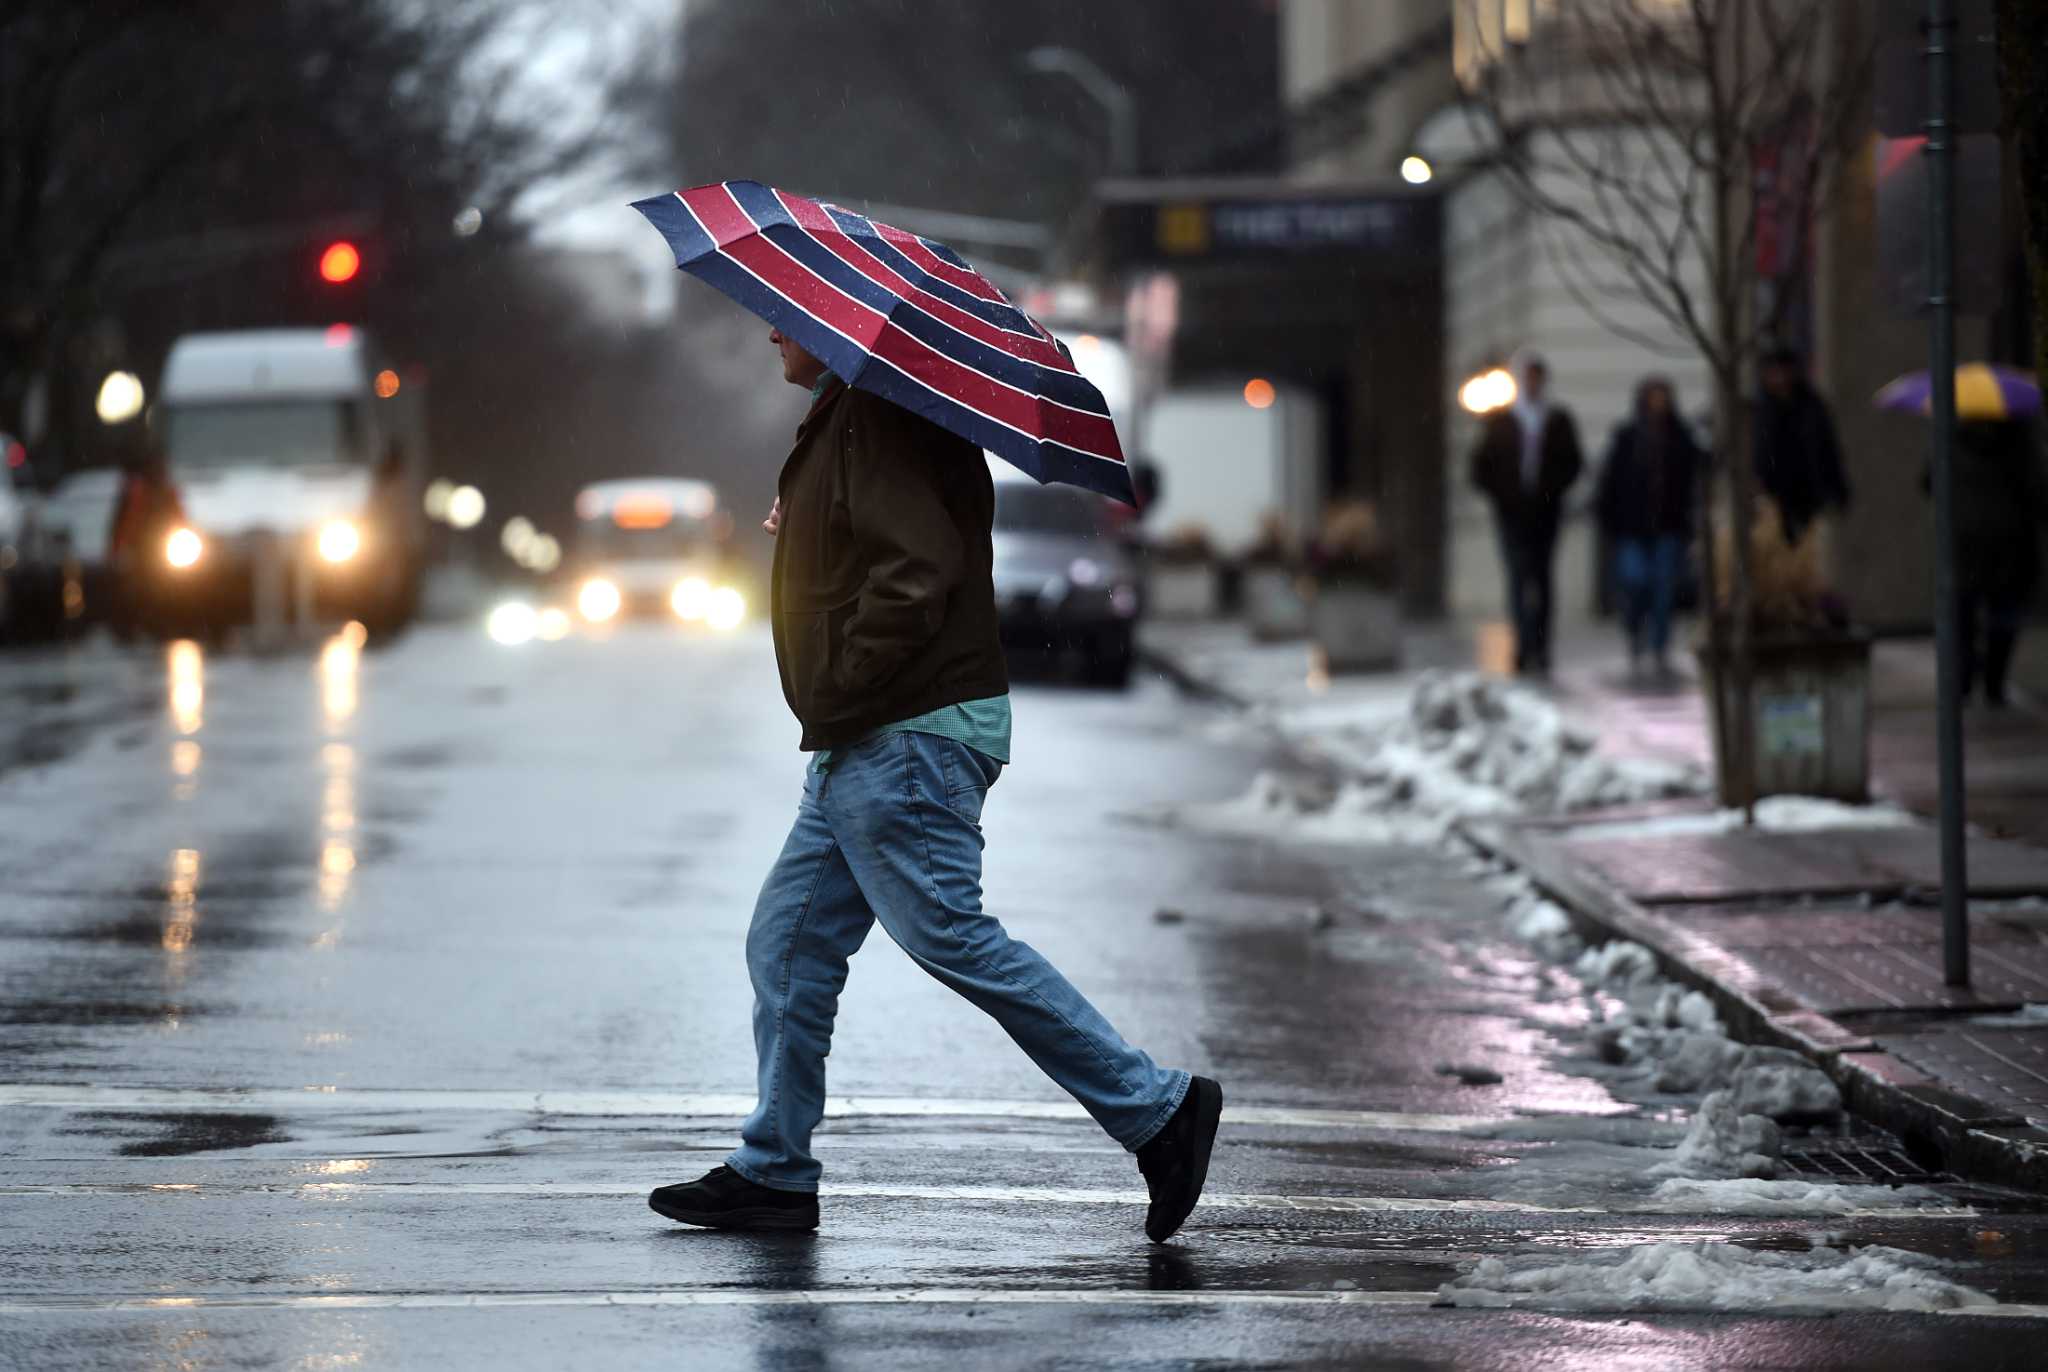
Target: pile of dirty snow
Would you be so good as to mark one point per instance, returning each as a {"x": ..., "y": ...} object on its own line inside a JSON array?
[
  {"x": 1464, "y": 745},
  {"x": 1707, "y": 1276},
  {"x": 1663, "y": 1039},
  {"x": 1751, "y": 1196}
]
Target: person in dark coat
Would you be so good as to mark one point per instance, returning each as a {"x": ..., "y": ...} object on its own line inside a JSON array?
[
  {"x": 884, "y": 618},
  {"x": 1645, "y": 507},
  {"x": 2001, "y": 499},
  {"x": 1798, "y": 461},
  {"x": 1527, "y": 459}
]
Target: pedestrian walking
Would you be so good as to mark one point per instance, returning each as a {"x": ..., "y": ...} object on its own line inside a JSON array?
[
  {"x": 1645, "y": 507},
  {"x": 885, "y": 635},
  {"x": 1798, "y": 460},
  {"x": 2000, "y": 501},
  {"x": 1526, "y": 461}
]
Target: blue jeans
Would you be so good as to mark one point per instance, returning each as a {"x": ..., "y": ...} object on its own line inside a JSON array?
[
  {"x": 893, "y": 832},
  {"x": 1646, "y": 572}
]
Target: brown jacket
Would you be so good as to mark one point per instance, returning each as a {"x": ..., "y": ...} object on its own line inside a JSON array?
[{"x": 882, "y": 601}]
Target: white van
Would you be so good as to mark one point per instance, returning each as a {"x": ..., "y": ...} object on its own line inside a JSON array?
[
  {"x": 297, "y": 454},
  {"x": 654, "y": 546}
]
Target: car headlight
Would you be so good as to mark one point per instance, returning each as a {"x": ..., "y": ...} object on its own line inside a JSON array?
[
  {"x": 512, "y": 623},
  {"x": 339, "y": 540},
  {"x": 725, "y": 608},
  {"x": 691, "y": 598},
  {"x": 1084, "y": 571},
  {"x": 598, "y": 600},
  {"x": 183, "y": 547}
]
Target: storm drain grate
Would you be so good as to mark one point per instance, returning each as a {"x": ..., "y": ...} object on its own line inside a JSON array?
[{"x": 1850, "y": 1162}]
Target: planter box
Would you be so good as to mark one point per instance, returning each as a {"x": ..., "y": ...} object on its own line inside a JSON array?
[
  {"x": 1809, "y": 717},
  {"x": 1181, "y": 590},
  {"x": 1273, "y": 606},
  {"x": 1357, "y": 626}
]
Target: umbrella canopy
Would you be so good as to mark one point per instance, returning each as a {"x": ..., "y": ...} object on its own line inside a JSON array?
[
  {"x": 903, "y": 317},
  {"x": 1983, "y": 391}
]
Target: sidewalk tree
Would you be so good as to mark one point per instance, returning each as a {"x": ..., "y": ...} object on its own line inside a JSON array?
[
  {"x": 159, "y": 158},
  {"x": 1682, "y": 152}
]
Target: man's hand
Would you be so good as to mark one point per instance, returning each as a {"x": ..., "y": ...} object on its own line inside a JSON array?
[{"x": 774, "y": 519}]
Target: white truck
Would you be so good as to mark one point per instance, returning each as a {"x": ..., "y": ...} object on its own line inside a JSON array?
[
  {"x": 1228, "y": 455},
  {"x": 298, "y": 458}
]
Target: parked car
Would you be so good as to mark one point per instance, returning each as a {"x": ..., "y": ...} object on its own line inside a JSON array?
[
  {"x": 1067, "y": 586},
  {"x": 76, "y": 521}
]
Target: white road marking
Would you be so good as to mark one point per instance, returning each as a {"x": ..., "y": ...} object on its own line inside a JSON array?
[
  {"x": 443, "y": 1300},
  {"x": 622, "y": 1104},
  {"x": 466, "y": 1300},
  {"x": 1043, "y": 1195}
]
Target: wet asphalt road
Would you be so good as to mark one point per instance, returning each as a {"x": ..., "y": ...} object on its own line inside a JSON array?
[{"x": 350, "y": 1001}]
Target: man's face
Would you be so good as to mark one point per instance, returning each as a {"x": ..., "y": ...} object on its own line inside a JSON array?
[
  {"x": 799, "y": 368},
  {"x": 1534, "y": 379},
  {"x": 1777, "y": 378}
]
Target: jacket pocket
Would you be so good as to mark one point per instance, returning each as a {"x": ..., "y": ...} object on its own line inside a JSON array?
[{"x": 819, "y": 633}]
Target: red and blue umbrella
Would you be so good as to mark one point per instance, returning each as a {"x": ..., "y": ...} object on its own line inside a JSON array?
[
  {"x": 902, "y": 316},
  {"x": 1983, "y": 391}
]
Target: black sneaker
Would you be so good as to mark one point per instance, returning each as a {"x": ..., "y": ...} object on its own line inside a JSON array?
[
  {"x": 1176, "y": 1160},
  {"x": 723, "y": 1199}
]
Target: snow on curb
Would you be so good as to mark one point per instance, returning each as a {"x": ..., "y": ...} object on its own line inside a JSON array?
[
  {"x": 1751, "y": 1196},
  {"x": 1774, "y": 815},
  {"x": 1706, "y": 1276},
  {"x": 1463, "y": 745}
]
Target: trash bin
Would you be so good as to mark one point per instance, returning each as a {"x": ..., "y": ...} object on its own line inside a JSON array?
[{"x": 1809, "y": 716}]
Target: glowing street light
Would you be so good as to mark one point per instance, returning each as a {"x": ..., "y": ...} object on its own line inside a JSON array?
[
  {"x": 1416, "y": 171},
  {"x": 516, "y": 538},
  {"x": 465, "y": 507},
  {"x": 120, "y": 398},
  {"x": 1488, "y": 392},
  {"x": 439, "y": 490}
]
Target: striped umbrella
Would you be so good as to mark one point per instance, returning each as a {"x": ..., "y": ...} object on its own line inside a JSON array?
[
  {"x": 901, "y": 316},
  {"x": 1983, "y": 391}
]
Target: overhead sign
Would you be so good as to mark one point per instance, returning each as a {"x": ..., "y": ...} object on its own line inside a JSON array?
[{"x": 1192, "y": 229}]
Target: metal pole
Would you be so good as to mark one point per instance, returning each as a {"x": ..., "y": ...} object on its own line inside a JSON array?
[
  {"x": 1117, "y": 102},
  {"x": 1941, "y": 186}
]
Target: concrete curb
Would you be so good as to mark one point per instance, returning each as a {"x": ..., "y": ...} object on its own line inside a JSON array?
[
  {"x": 1185, "y": 678},
  {"x": 1940, "y": 1127}
]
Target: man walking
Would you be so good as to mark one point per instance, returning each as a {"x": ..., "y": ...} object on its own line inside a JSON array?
[
  {"x": 1528, "y": 457},
  {"x": 885, "y": 634}
]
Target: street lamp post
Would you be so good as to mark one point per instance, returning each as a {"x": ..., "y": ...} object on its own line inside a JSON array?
[{"x": 1106, "y": 91}]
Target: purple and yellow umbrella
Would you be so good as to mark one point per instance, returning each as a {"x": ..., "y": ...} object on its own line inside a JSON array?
[{"x": 1983, "y": 391}]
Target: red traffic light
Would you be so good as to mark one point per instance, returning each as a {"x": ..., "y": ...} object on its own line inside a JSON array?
[{"x": 340, "y": 262}]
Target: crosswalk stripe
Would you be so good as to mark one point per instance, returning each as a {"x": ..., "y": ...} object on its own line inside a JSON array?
[
  {"x": 464, "y": 1300},
  {"x": 443, "y": 1300},
  {"x": 1045, "y": 1195},
  {"x": 625, "y": 1104}
]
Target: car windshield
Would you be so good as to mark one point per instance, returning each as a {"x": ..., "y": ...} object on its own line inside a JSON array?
[
  {"x": 271, "y": 433},
  {"x": 1026, "y": 508},
  {"x": 603, "y": 540}
]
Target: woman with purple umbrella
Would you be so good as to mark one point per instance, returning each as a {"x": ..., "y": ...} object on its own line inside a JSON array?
[
  {"x": 2001, "y": 499},
  {"x": 2000, "y": 502}
]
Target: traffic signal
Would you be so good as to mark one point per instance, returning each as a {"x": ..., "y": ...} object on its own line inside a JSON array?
[{"x": 340, "y": 262}]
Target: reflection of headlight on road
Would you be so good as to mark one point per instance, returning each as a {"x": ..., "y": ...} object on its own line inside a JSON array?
[
  {"x": 552, "y": 624},
  {"x": 512, "y": 623},
  {"x": 598, "y": 600},
  {"x": 339, "y": 540},
  {"x": 725, "y": 608},
  {"x": 691, "y": 598},
  {"x": 183, "y": 547}
]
